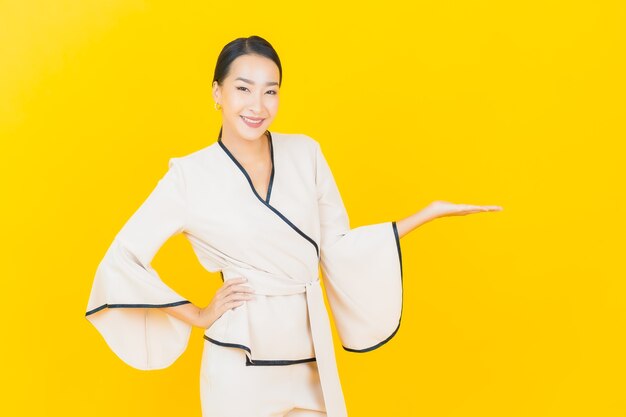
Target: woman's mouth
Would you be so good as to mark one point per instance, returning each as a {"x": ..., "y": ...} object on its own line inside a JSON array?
[{"x": 252, "y": 122}]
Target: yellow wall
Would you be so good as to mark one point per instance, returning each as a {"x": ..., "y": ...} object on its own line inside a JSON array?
[{"x": 519, "y": 104}]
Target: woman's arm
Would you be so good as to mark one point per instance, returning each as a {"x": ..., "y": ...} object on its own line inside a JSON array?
[
  {"x": 189, "y": 313},
  {"x": 412, "y": 222},
  {"x": 436, "y": 210}
]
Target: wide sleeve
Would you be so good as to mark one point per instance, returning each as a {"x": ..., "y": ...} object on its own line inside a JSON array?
[
  {"x": 127, "y": 292},
  {"x": 361, "y": 268}
]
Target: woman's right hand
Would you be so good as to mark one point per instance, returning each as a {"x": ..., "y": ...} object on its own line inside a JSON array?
[{"x": 230, "y": 295}]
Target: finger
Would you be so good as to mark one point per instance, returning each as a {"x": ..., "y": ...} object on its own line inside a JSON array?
[
  {"x": 489, "y": 208},
  {"x": 241, "y": 288},
  {"x": 228, "y": 284},
  {"x": 464, "y": 209},
  {"x": 233, "y": 304},
  {"x": 225, "y": 303},
  {"x": 475, "y": 209},
  {"x": 234, "y": 281},
  {"x": 238, "y": 296},
  {"x": 227, "y": 307}
]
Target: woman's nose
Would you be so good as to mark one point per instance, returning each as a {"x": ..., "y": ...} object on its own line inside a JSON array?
[{"x": 256, "y": 103}]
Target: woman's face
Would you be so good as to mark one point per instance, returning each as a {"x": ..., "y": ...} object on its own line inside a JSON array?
[{"x": 250, "y": 90}]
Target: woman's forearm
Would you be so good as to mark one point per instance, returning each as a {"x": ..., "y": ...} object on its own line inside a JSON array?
[
  {"x": 412, "y": 222},
  {"x": 189, "y": 313}
]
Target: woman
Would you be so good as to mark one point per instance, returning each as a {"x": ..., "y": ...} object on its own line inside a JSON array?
[{"x": 262, "y": 208}]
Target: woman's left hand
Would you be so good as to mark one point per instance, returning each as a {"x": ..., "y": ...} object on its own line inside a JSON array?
[{"x": 438, "y": 209}]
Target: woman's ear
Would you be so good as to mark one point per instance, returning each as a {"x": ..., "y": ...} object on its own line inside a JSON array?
[{"x": 216, "y": 92}]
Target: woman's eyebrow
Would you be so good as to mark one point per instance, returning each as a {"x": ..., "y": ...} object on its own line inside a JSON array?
[{"x": 252, "y": 82}]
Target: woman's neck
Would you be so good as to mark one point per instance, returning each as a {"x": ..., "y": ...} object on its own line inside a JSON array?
[{"x": 247, "y": 150}]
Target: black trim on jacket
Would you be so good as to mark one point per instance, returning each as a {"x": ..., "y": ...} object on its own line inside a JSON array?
[
  {"x": 259, "y": 362},
  {"x": 376, "y": 346},
  {"x": 266, "y": 201},
  {"x": 103, "y": 306}
]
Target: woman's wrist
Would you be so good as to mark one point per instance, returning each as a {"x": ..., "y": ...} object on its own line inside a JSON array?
[
  {"x": 415, "y": 220},
  {"x": 189, "y": 313}
]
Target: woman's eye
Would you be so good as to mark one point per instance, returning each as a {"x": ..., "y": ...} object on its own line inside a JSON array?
[{"x": 246, "y": 88}]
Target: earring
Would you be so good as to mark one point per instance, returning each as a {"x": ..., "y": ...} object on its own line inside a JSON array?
[{"x": 217, "y": 106}]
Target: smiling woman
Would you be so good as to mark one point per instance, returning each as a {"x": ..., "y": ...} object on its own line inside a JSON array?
[
  {"x": 246, "y": 84},
  {"x": 262, "y": 208}
]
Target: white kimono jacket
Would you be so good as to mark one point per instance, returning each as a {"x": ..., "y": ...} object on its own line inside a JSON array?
[{"x": 277, "y": 241}]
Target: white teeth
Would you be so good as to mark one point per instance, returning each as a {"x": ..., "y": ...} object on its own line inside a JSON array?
[{"x": 252, "y": 121}]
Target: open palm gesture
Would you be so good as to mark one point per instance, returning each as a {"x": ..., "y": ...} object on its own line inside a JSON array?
[{"x": 444, "y": 208}]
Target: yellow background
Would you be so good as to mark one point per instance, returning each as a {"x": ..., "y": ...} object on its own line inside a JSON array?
[{"x": 514, "y": 103}]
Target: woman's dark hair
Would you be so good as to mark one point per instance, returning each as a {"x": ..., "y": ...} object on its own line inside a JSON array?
[{"x": 242, "y": 46}]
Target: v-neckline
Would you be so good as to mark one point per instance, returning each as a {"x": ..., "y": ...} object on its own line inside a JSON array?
[{"x": 245, "y": 173}]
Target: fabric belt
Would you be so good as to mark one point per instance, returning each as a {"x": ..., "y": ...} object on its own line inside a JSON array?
[
  {"x": 324, "y": 350},
  {"x": 271, "y": 284}
]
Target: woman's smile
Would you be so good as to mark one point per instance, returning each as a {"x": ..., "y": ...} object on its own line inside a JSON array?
[{"x": 252, "y": 122}]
